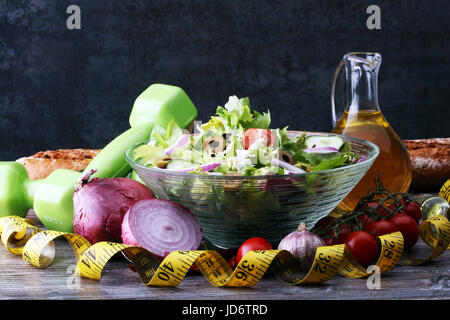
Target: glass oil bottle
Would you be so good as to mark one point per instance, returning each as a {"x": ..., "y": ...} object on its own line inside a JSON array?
[{"x": 363, "y": 118}]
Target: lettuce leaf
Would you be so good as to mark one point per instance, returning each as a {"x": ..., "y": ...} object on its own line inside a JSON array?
[
  {"x": 293, "y": 145},
  {"x": 321, "y": 161},
  {"x": 237, "y": 112},
  {"x": 260, "y": 121},
  {"x": 331, "y": 163},
  {"x": 215, "y": 124},
  {"x": 149, "y": 155},
  {"x": 165, "y": 137}
]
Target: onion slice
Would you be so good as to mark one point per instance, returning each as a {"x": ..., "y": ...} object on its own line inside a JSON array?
[
  {"x": 204, "y": 167},
  {"x": 321, "y": 150},
  {"x": 178, "y": 144},
  {"x": 363, "y": 158},
  {"x": 161, "y": 226},
  {"x": 287, "y": 166}
]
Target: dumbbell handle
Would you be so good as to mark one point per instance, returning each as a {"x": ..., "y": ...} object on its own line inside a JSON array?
[
  {"x": 111, "y": 162},
  {"x": 30, "y": 187}
]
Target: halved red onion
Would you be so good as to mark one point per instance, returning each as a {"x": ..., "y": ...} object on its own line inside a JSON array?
[
  {"x": 178, "y": 144},
  {"x": 161, "y": 226},
  {"x": 321, "y": 150},
  {"x": 287, "y": 166},
  {"x": 205, "y": 167}
]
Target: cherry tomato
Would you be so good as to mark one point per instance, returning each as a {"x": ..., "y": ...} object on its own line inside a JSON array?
[
  {"x": 255, "y": 243},
  {"x": 408, "y": 227},
  {"x": 253, "y": 134},
  {"x": 363, "y": 247},
  {"x": 329, "y": 241},
  {"x": 412, "y": 209},
  {"x": 385, "y": 212},
  {"x": 324, "y": 222},
  {"x": 365, "y": 220},
  {"x": 344, "y": 231},
  {"x": 381, "y": 227}
]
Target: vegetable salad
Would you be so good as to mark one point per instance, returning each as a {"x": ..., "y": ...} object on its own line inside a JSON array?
[{"x": 239, "y": 141}]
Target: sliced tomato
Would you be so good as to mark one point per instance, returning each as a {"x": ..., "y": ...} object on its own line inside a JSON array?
[{"x": 253, "y": 134}]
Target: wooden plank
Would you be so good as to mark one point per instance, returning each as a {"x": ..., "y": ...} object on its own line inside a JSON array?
[{"x": 20, "y": 280}]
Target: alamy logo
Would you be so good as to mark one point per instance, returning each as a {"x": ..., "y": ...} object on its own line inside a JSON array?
[
  {"x": 374, "y": 280},
  {"x": 74, "y": 20},
  {"x": 73, "y": 281},
  {"x": 374, "y": 20}
]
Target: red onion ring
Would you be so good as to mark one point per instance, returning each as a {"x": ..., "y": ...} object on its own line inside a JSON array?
[
  {"x": 363, "y": 158},
  {"x": 161, "y": 226},
  {"x": 178, "y": 144},
  {"x": 321, "y": 150},
  {"x": 205, "y": 167},
  {"x": 287, "y": 166}
]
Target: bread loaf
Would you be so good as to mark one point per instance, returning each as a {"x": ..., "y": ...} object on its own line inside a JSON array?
[
  {"x": 430, "y": 161},
  {"x": 41, "y": 164}
]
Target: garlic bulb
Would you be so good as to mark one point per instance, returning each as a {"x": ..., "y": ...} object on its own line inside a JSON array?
[{"x": 302, "y": 244}]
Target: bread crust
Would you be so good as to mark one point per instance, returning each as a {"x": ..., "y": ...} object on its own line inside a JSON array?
[
  {"x": 43, "y": 163},
  {"x": 430, "y": 161}
]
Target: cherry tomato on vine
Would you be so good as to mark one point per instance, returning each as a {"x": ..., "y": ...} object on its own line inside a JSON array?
[
  {"x": 324, "y": 222},
  {"x": 255, "y": 243},
  {"x": 408, "y": 227},
  {"x": 365, "y": 220},
  {"x": 363, "y": 247},
  {"x": 380, "y": 227},
  {"x": 385, "y": 211},
  {"x": 344, "y": 230},
  {"x": 412, "y": 209},
  {"x": 251, "y": 135}
]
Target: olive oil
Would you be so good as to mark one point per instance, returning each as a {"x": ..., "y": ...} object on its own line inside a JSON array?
[
  {"x": 362, "y": 118},
  {"x": 393, "y": 165}
]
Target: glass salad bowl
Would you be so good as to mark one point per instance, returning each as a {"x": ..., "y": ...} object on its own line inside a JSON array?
[{"x": 231, "y": 209}]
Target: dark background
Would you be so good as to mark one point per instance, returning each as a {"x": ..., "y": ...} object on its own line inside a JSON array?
[{"x": 63, "y": 88}]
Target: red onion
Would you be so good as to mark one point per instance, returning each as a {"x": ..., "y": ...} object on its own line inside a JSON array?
[
  {"x": 100, "y": 205},
  {"x": 321, "y": 150},
  {"x": 302, "y": 244},
  {"x": 178, "y": 144},
  {"x": 204, "y": 167},
  {"x": 287, "y": 166},
  {"x": 161, "y": 226},
  {"x": 363, "y": 158}
]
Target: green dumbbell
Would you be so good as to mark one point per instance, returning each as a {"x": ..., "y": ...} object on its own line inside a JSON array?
[{"x": 52, "y": 197}]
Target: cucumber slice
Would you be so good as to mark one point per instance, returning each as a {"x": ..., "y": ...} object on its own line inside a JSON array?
[
  {"x": 316, "y": 141},
  {"x": 179, "y": 164}
]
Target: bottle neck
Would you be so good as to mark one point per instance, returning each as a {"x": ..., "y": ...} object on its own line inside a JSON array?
[{"x": 362, "y": 89}]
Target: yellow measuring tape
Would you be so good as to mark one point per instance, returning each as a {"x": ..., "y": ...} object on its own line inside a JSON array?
[
  {"x": 36, "y": 246},
  {"x": 444, "y": 192}
]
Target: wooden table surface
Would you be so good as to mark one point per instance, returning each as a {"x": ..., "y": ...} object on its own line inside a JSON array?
[{"x": 20, "y": 280}]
